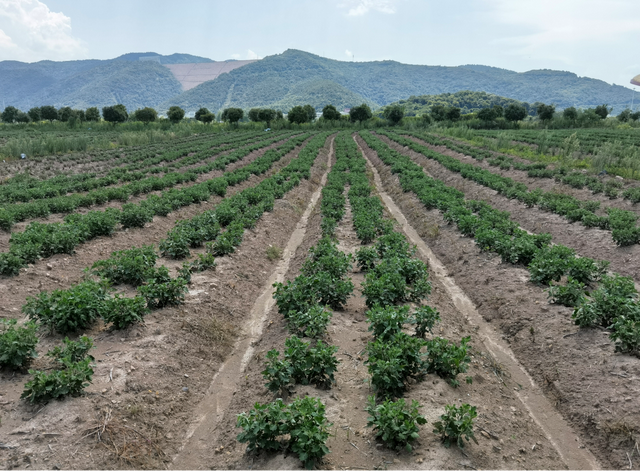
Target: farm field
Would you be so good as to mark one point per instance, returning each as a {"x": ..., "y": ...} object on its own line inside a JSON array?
[{"x": 328, "y": 275}]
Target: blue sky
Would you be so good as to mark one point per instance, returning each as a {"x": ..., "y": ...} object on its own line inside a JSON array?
[{"x": 594, "y": 38}]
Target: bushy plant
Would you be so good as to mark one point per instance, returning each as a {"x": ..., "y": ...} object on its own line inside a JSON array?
[
  {"x": 615, "y": 297},
  {"x": 123, "y": 312},
  {"x": 278, "y": 373},
  {"x": 396, "y": 423},
  {"x": 568, "y": 295},
  {"x": 134, "y": 215},
  {"x": 304, "y": 421},
  {"x": 73, "y": 351},
  {"x": 69, "y": 310},
  {"x": 386, "y": 322},
  {"x": 456, "y": 424},
  {"x": 390, "y": 362},
  {"x": 366, "y": 257},
  {"x": 161, "y": 290},
  {"x": 127, "y": 266},
  {"x": 446, "y": 359},
  {"x": 311, "y": 323},
  {"x": 69, "y": 381},
  {"x": 425, "y": 318},
  {"x": 17, "y": 344},
  {"x": 550, "y": 264},
  {"x": 625, "y": 332},
  {"x": 203, "y": 262},
  {"x": 175, "y": 246}
]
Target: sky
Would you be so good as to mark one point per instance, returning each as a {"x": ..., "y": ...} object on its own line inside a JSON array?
[{"x": 593, "y": 38}]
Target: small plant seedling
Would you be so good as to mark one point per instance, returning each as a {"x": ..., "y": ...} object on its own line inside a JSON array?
[
  {"x": 273, "y": 253},
  {"x": 456, "y": 424}
]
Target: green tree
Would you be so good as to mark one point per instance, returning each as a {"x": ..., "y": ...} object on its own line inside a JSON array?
[
  {"x": 311, "y": 112},
  {"x": 146, "y": 115},
  {"x": 48, "y": 112},
  {"x": 570, "y": 113},
  {"x": 603, "y": 111},
  {"x": 360, "y": 113},
  {"x": 624, "y": 116},
  {"x": 34, "y": 114},
  {"x": 635, "y": 116},
  {"x": 22, "y": 117},
  {"x": 426, "y": 119},
  {"x": 175, "y": 114},
  {"x": 64, "y": 114},
  {"x": 394, "y": 113},
  {"x": 298, "y": 115},
  {"x": 487, "y": 114},
  {"x": 92, "y": 114},
  {"x": 233, "y": 115},
  {"x": 438, "y": 112},
  {"x": 254, "y": 115},
  {"x": 115, "y": 114},
  {"x": 330, "y": 113},
  {"x": 80, "y": 115},
  {"x": 204, "y": 115},
  {"x": 9, "y": 114},
  {"x": 498, "y": 110},
  {"x": 267, "y": 115},
  {"x": 453, "y": 113},
  {"x": 545, "y": 112},
  {"x": 515, "y": 113}
]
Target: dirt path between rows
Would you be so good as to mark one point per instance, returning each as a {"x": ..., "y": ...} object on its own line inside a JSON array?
[
  {"x": 201, "y": 432},
  {"x": 587, "y": 242},
  {"x": 539, "y": 408},
  {"x": 595, "y": 389}
]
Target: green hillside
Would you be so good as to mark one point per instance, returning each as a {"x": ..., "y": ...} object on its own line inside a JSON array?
[
  {"x": 466, "y": 100},
  {"x": 267, "y": 82}
]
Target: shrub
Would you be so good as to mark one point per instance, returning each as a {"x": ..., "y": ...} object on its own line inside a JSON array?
[
  {"x": 127, "y": 266},
  {"x": 625, "y": 332},
  {"x": 59, "y": 383},
  {"x": 386, "y": 322},
  {"x": 550, "y": 264},
  {"x": 135, "y": 215},
  {"x": 392, "y": 361},
  {"x": 17, "y": 344},
  {"x": 175, "y": 246},
  {"x": 304, "y": 421},
  {"x": 366, "y": 258},
  {"x": 69, "y": 310},
  {"x": 311, "y": 323},
  {"x": 396, "y": 423},
  {"x": 586, "y": 270},
  {"x": 455, "y": 424},
  {"x": 446, "y": 359},
  {"x": 425, "y": 318},
  {"x": 122, "y": 311},
  {"x": 278, "y": 373},
  {"x": 615, "y": 297},
  {"x": 203, "y": 262},
  {"x": 160, "y": 290},
  {"x": 295, "y": 296},
  {"x": 569, "y": 295},
  {"x": 73, "y": 350}
]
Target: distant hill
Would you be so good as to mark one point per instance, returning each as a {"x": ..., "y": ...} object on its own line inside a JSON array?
[
  {"x": 280, "y": 81},
  {"x": 273, "y": 81},
  {"x": 466, "y": 100}
]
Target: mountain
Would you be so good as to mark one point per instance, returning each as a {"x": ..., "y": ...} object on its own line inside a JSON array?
[
  {"x": 276, "y": 80},
  {"x": 134, "y": 79},
  {"x": 279, "y": 81},
  {"x": 467, "y": 101}
]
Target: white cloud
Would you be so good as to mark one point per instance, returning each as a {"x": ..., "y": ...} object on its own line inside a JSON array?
[
  {"x": 235, "y": 56},
  {"x": 558, "y": 23},
  {"x": 348, "y": 53},
  {"x": 35, "y": 33},
  {"x": 252, "y": 55},
  {"x": 362, "y": 7}
]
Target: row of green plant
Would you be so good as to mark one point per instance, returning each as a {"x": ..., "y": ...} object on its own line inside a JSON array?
[
  {"x": 303, "y": 302},
  {"x": 561, "y": 173},
  {"x": 621, "y": 223},
  {"x": 12, "y": 213},
  {"x": 243, "y": 209},
  {"x": 43, "y": 240},
  {"x": 24, "y": 187},
  {"x": 493, "y": 230},
  {"x": 394, "y": 276}
]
